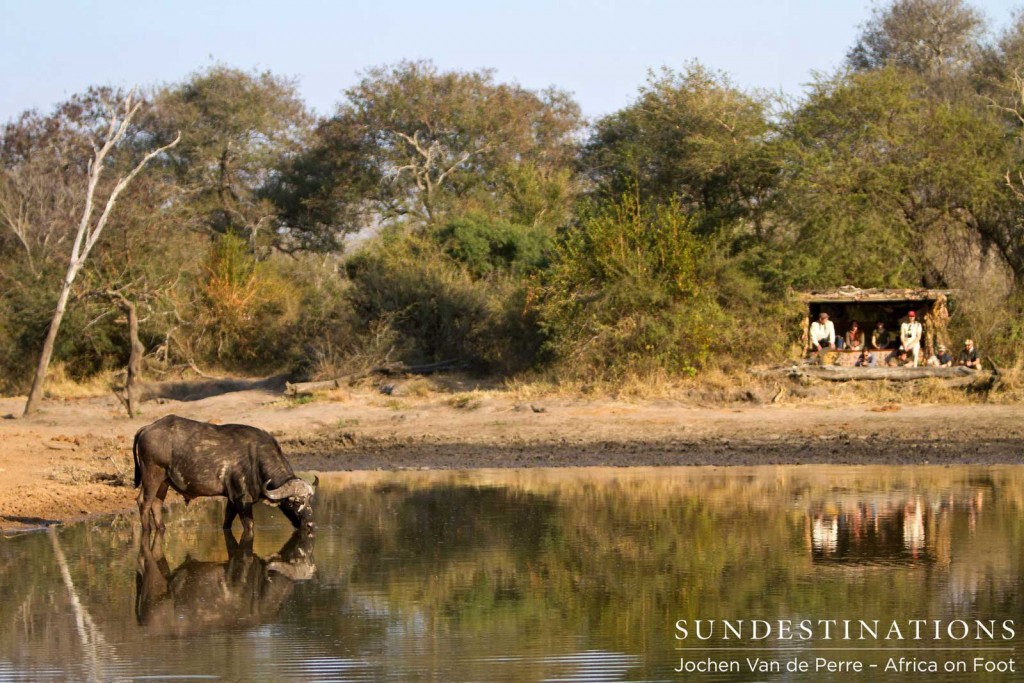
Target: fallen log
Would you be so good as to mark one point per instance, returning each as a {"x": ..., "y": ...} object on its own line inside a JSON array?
[
  {"x": 300, "y": 388},
  {"x": 387, "y": 370},
  {"x": 834, "y": 373},
  {"x": 400, "y": 368}
]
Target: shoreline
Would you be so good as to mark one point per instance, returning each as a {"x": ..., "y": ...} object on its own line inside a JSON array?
[
  {"x": 63, "y": 464},
  {"x": 708, "y": 452}
]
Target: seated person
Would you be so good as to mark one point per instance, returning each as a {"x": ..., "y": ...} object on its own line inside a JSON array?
[
  {"x": 880, "y": 338},
  {"x": 941, "y": 358},
  {"x": 898, "y": 358},
  {"x": 969, "y": 356},
  {"x": 911, "y": 333},
  {"x": 823, "y": 333},
  {"x": 866, "y": 360},
  {"x": 855, "y": 337}
]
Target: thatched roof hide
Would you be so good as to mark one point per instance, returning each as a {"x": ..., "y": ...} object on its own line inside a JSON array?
[
  {"x": 848, "y": 303},
  {"x": 850, "y": 294}
]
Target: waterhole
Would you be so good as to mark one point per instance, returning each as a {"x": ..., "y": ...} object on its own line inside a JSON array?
[{"x": 653, "y": 574}]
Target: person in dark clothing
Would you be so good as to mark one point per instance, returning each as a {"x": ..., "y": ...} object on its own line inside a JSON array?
[
  {"x": 942, "y": 358},
  {"x": 969, "y": 356},
  {"x": 880, "y": 337}
]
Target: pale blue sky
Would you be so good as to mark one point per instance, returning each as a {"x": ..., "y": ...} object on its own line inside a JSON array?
[{"x": 600, "y": 50}]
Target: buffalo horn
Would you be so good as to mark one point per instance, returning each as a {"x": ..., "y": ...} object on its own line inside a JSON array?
[{"x": 293, "y": 488}]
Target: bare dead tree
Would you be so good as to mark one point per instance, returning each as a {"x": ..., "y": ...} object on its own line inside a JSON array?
[
  {"x": 36, "y": 209},
  {"x": 90, "y": 229},
  {"x": 430, "y": 165}
]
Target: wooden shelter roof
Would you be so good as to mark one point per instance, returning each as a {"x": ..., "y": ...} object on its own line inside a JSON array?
[{"x": 849, "y": 293}]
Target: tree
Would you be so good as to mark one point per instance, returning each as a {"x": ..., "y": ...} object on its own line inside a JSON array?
[
  {"x": 887, "y": 184},
  {"x": 136, "y": 350},
  {"x": 437, "y": 143},
  {"x": 42, "y": 181},
  {"x": 1005, "y": 229},
  {"x": 693, "y": 136},
  {"x": 330, "y": 189},
  {"x": 996, "y": 62},
  {"x": 930, "y": 37},
  {"x": 90, "y": 226},
  {"x": 242, "y": 130}
]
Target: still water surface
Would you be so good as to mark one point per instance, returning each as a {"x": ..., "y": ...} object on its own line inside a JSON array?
[{"x": 537, "y": 575}]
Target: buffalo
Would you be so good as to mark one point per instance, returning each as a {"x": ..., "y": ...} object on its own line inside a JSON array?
[{"x": 242, "y": 463}]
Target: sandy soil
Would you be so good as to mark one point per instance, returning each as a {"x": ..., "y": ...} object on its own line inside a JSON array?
[{"x": 74, "y": 458}]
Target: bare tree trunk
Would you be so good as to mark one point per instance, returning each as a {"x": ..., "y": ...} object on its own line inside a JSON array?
[
  {"x": 88, "y": 234},
  {"x": 135, "y": 354},
  {"x": 51, "y": 337}
]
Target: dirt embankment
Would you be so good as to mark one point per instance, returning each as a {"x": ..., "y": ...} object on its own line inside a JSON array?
[{"x": 74, "y": 458}]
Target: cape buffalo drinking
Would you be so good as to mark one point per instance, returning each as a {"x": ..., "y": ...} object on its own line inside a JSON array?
[{"x": 243, "y": 463}]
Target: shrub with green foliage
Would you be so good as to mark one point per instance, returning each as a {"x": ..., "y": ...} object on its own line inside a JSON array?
[
  {"x": 994, "y": 321},
  {"x": 635, "y": 290},
  {"x": 487, "y": 246},
  {"x": 435, "y": 305},
  {"x": 93, "y": 336},
  {"x": 251, "y": 315}
]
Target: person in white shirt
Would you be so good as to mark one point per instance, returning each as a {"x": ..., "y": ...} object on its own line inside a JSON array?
[
  {"x": 910, "y": 336},
  {"x": 823, "y": 333}
]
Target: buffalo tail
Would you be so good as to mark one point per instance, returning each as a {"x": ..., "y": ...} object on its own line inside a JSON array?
[{"x": 135, "y": 454}]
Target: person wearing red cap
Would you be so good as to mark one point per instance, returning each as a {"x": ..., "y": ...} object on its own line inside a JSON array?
[{"x": 910, "y": 336}]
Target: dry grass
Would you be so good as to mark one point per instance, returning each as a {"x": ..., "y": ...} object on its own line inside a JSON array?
[
  {"x": 1010, "y": 387},
  {"x": 466, "y": 401},
  {"x": 417, "y": 387},
  {"x": 712, "y": 387},
  {"x": 105, "y": 461},
  {"x": 71, "y": 473},
  {"x": 60, "y": 385},
  {"x": 717, "y": 387},
  {"x": 922, "y": 392}
]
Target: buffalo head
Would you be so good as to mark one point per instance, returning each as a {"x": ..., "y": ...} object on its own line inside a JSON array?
[{"x": 295, "y": 498}]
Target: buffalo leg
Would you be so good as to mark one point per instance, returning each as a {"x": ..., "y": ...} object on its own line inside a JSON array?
[
  {"x": 230, "y": 512},
  {"x": 158, "y": 507},
  {"x": 246, "y": 514},
  {"x": 239, "y": 503},
  {"x": 151, "y": 497}
]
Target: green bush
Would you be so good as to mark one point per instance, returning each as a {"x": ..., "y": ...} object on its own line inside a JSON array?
[
  {"x": 92, "y": 338},
  {"x": 995, "y": 321},
  {"x": 487, "y": 246},
  {"x": 259, "y": 316},
  {"x": 437, "y": 309},
  {"x": 636, "y": 290}
]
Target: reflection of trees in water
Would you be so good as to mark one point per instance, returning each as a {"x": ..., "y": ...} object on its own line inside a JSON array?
[
  {"x": 41, "y": 641},
  {"x": 38, "y": 591},
  {"x": 623, "y": 554}
]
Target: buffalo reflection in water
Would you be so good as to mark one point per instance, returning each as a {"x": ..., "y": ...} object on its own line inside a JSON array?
[{"x": 208, "y": 596}]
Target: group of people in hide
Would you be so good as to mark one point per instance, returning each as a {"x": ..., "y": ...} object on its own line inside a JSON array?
[{"x": 882, "y": 347}]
